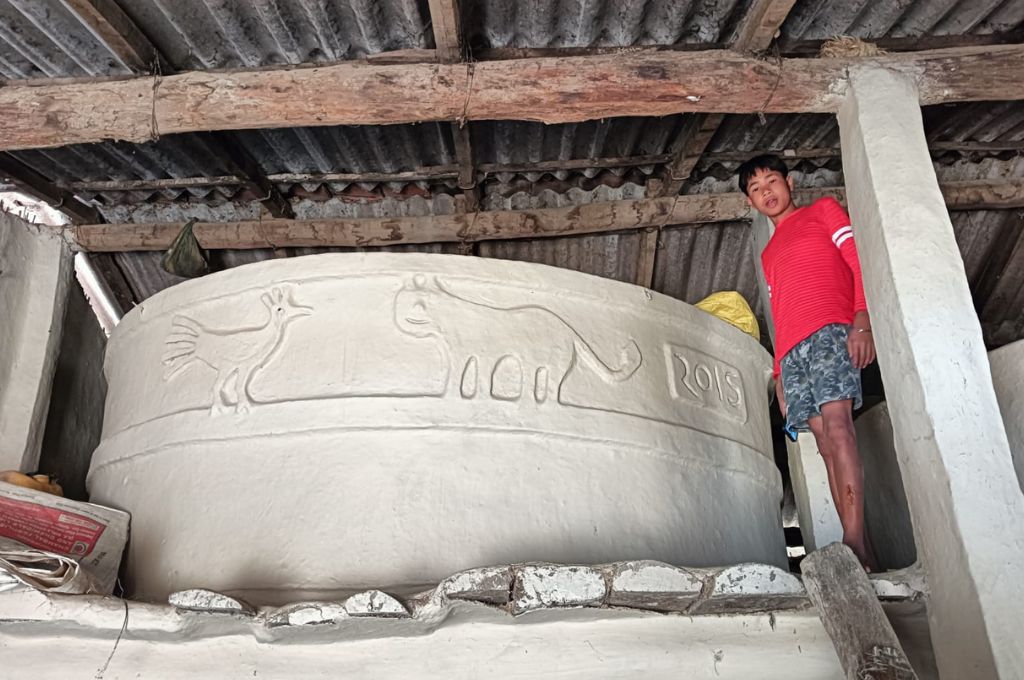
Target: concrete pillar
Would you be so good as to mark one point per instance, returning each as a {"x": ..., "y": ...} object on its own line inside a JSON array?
[
  {"x": 35, "y": 271},
  {"x": 1008, "y": 377},
  {"x": 966, "y": 506},
  {"x": 819, "y": 521}
]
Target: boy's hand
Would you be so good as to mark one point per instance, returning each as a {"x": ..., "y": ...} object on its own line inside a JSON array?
[
  {"x": 861, "y": 343},
  {"x": 780, "y": 396}
]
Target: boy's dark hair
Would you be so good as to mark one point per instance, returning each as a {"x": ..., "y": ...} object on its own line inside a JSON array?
[{"x": 767, "y": 162}]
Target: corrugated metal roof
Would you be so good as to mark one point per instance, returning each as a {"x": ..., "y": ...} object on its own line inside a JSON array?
[
  {"x": 613, "y": 256},
  {"x": 204, "y": 34},
  {"x": 867, "y": 19},
  {"x": 43, "y": 38},
  {"x": 600, "y": 23}
]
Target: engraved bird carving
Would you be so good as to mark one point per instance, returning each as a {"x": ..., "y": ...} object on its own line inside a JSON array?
[{"x": 236, "y": 354}]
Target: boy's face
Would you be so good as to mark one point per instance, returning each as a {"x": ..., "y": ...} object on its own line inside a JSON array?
[{"x": 769, "y": 192}]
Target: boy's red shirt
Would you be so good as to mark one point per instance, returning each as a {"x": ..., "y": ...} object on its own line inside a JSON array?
[{"x": 813, "y": 274}]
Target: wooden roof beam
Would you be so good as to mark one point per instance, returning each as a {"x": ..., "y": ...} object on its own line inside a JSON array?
[
  {"x": 115, "y": 29},
  {"x": 493, "y": 225},
  {"x": 30, "y": 182},
  {"x": 38, "y": 114}
]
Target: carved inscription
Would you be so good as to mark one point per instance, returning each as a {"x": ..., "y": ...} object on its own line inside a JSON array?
[
  {"x": 705, "y": 381},
  {"x": 537, "y": 365},
  {"x": 235, "y": 354}
]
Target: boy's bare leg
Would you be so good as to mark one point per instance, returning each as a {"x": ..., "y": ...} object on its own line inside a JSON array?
[
  {"x": 848, "y": 475},
  {"x": 817, "y": 426}
]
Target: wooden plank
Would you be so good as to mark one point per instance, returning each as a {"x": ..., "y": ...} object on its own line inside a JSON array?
[
  {"x": 698, "y": 134},
  {"x": 30, "y": 182},
  {"x": 865, "y": 642},
  {"x": 112, "y": 27},
  {"x": 648, "y": 255},
  {"x": 474, "y": 226},
  {"x": 464, "y": 156},
  {"x": 553, "y": 90},
  {"x": 444, "y": 20},
  {"x": 763, "y": 20},
  {"x": 437, "y": 172},
  {"x": 156, "y": 184}
]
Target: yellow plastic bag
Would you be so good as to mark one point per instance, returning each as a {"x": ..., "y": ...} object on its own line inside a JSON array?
[{"x": 729, "y": 306}]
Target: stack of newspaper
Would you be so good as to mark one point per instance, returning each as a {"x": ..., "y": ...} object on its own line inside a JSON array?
[{"x": 58, "y": 545}]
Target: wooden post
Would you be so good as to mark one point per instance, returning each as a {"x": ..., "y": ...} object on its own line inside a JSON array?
[{"x": 865, "y": 642}]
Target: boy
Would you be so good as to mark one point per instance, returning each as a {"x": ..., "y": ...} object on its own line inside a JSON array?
[{"x": 822, "y": 330}]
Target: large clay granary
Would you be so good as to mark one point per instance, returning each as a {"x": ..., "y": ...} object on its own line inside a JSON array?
[{"x": 456, "y": 339}]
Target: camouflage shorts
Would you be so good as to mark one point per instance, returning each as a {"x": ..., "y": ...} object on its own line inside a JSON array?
[{"x": 819, "y": 370}]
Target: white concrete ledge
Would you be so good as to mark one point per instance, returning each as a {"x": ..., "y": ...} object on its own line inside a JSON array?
[{"x": 514, "y": 621}]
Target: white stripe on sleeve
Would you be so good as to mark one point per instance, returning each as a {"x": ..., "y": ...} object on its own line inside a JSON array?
[
  {"x": 841, "y": 232},
  {"x": 839, "y": 243}
]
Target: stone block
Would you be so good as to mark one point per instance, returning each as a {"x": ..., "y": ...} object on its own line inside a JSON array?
[
  {"x": 653, "y": 585},
  {"x": 200, "y": 600},
  {"x": 751, "y": 587},
  {"x": 374, "y": 603},
  {"x": 542, "y": 586}
]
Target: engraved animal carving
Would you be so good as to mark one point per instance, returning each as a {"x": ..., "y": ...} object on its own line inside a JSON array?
[
  {"x": 536, "y": 361},
  {"x": 236, "y": 354}
]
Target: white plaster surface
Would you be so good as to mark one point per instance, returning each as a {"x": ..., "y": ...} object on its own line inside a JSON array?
[
  {"x": 1008, "y": 379},
  {"x": 966, "y": 505},
  {"x": 342, "y": 421},
  {"x": 35, "y": 271}
]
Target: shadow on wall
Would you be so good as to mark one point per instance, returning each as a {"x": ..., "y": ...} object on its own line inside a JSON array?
[
  {"x": 75, "y": 416},
  {"x": 885, "y": 508}
]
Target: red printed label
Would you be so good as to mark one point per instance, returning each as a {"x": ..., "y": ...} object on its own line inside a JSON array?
[{"x": 48, "y": 528}]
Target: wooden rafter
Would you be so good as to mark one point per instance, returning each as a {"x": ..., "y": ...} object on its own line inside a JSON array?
[
  {"x": 115, "y": 29},
  {"x": 38, "y": 114},
  {"x": 697, "y": 134},
  {"x": 446, "y": 21},
  {"x": 762, "y": 22},
  {"x": 755, "y": 33},
  {"x": 30, "y": 182},
  {"x": 491, "y": 225},
  {"x": 445, "y": 172}
]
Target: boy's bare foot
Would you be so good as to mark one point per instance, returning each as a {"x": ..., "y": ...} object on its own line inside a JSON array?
[{"x": 864, "y": 554}]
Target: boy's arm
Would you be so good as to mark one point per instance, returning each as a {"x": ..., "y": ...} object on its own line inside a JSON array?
[
  {"x": 839, "y": 230},
  {"x": 861, "y": 344}
]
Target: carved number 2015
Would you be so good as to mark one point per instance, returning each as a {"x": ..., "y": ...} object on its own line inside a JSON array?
[{"x": 700, "y": 379}]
